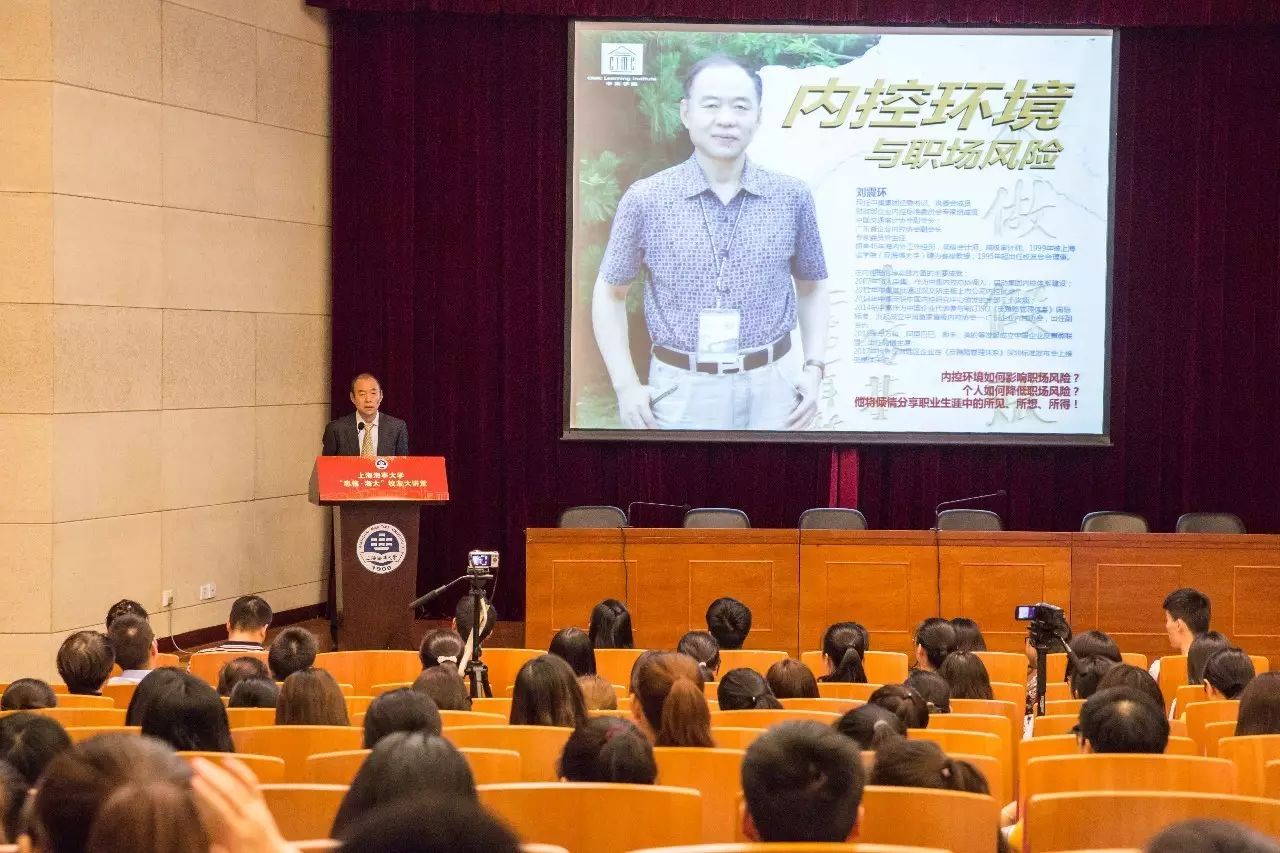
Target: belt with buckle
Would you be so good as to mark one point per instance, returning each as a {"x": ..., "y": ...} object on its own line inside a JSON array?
[{"x": 736, "y": 363}]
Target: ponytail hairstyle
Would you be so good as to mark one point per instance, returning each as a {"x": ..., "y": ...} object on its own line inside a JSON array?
[
  {"x": 933, "y": 688},
  {"x": 905, "y": 703},
  {"x": 966, "y": 676},
  {"x": 870, "y": 726},
  {"x": 744, "y": 689},
  {"x": 791, "y": 679},
  {"x": 608, "y": 749},
  {"x": 440, "y": 646},
  {"x": 937, "y": 639},
  {"x": 610, "y": 626},
  {"x": 843, "y": 646},
  {"x": 907, "y": 763},
  {"x": 704, "y": 649},
  {"x": 1228, "y": 672},
  {"x": 668, "y": 692}
]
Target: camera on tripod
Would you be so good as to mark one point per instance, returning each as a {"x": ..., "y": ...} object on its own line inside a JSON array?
[
  {"x": 481, "y": 562},
  {"x": 1046, "y": 624}
]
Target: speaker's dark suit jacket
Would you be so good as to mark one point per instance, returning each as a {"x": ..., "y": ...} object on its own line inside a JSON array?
[{"x": 342, "y": 439}]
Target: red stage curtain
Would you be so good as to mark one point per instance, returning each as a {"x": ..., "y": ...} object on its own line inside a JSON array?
[{"x": 448, "y": 235}]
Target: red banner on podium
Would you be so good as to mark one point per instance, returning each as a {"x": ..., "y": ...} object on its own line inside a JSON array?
[{"x": 340, "y": 479}]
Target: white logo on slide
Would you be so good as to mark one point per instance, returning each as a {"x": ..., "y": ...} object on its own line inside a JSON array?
[{"x": 621, "y": 59}]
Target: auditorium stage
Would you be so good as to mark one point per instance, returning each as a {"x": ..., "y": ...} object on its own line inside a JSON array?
[{"x": 798, "y": 582}]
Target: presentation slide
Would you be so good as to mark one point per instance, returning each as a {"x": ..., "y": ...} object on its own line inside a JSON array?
[{"x": 839, "y": 235}]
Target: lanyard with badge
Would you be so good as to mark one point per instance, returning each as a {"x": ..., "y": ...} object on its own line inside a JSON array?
[{"x": 719, "y": 328}]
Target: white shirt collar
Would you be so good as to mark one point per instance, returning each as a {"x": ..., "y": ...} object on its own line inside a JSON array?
[{"x": 373, "y": 423}]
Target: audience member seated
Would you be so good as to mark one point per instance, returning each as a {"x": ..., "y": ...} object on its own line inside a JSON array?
[
  {"x": 608, "y": 749},
  {"x": 1094, "y": 644},
  {"x": 404, "y": 765},
  {"x": 791, "y": 679},
  {"x": 1202, "y": 648},
  {"x": 935, "y": 639},
  {"x": 639, "y": 662},
  {"x": 904, "y": 702},
  {"x": 573, "y": 646},
  {"x": 844, "y": 645},
  {"x": 84, "y": 662},
  {"x": 802, "y": 781},
  {"x": 1186, "y": 616},
  {"x": 189, "y": 716},
  {"x": 159, "y": 681},
  {"x": 443, "y": 685},
  {"x": 246, "y": 626},
  {"x": 27, "y": 693},
  {"x": 293, "y": 650},
  {"x": 1227, "y": 673},
  {"x": 610, "y": 626},
  {"x": 597, "y": 694},
  {"x": 968, "y": 635},
  {"x": 423, "y": 824},
  {"x": 403, "y": 710},
  {"x": 745, "y": 689},
  {"x": 546, "y": 693},
  {"x": 440, "y": 646},
  {"x": 1127, "y": 675},
  {"x": 1122, "y": 719},
  {"x": 464, "y": 620},
  {"x": 28, "y": 742},
  {"x": 237, "y": 670},
  {"x": 134, "y": 644},
  {"x": 13, "y": 797},
  {"x": 1260, "y": 706},
  {"x": 254, "y": 693},
  {"x": 729, "y": 621},
  {"x": 906, "y": 763},
  {"x": 310, "y": 697},
  {"x": 966, "y": 676},
  {"x": 1211, "y": 836},
  {"x": 933, "y": 687},
  {"x": 668, "y": 705},
  {"x": 704, "y": 649},
  {"x": 870, "y": 726},
  {"x": 125, "y": 607},
  {"x": 1086, "y": 676}
]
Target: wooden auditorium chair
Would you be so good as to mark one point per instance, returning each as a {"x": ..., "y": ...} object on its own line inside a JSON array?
[
  {"x": 79, "y": 701},
  {"x": 78, "y": 734},
  {"x": 504, "y": 664},
  {"x": 121, "y": 694},
  {"x": 367, "y": 667},
  {"x": 716, "y": 774},
  {"x": 500, "y": 705},
  {"x": 763, "y": 718},
  {"x": 879, "y": 667},
  {"x": 79, "y": 717},
  {"x": 987, "y": 724},
  {"x": 267, "y": 768},
  {"x": 1009, "y": 667},
  {"x": 208, "y": 665},
  {"x": 830, "y": 706},
  {"x": 539, "y": 747},
  {"x": 303, "y": 811},
  {"x": 793, "y": 847},
  {"x": 924, "y": 817},
  {"x": 1201, "y": 714},
  {"x": 244, "y": 718},
  {"x": 846, "y": 690},
  {"x": 1062, "y": 774},
  {"x": 472, "y": 718},
  {"x": 973, "y": 743},
  {"x": 1215, "y": 733},
  {"x": 1012, "y": 713},
  {"x": 295, "y": 744},
  {"x": 734, "y": 737},
  {"x": 756, "y": 659},
  {"x": 614, "y": 665},
  {"x": 1250, "y": 754}
]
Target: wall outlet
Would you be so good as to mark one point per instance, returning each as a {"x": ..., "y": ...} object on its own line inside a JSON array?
[
  {"x": 208, "y": 591},
  {"x": 166, "y": 598}
]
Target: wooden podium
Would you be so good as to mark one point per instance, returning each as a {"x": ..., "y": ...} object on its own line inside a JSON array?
[{"x": 375, "y": 541}]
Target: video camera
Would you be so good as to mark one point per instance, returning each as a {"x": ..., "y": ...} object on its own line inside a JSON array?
[
  {"x": 481, "y": 562},
  {"x": 1046, "y": 624}
]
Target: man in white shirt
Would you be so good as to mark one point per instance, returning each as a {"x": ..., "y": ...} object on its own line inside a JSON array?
[
  {"x": 1186, "y": 616},
  {"x": 135, "y": 646},
  {"x": 246, "y": 626}
]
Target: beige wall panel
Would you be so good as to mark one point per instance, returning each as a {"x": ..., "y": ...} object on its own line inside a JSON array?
[
  {"x": 26, "y": 247},
  {"x": 106, "y": 252},
  {"x": 26, "y": 40},
  {"x": 107, "y": 464},
  {"x": 288, "y": 442},
  {"x": 293, "y": 83},
  {"x": 26, "y": 136},
  {"x": 26, "y": 479},
  {"x": 209, "y": 544},
  {"x": 293, "y": 359},
  {"x": 105, "y": 359},
  {"x": 209, "y": 63},
  {"x": 100, "y": 561},
  {"x": 110, "y": 45},
  {"x": 26, "y": 551},
  {"x": 244, "y": 11},
  {"x": 26, "y": 358},
  {"x": 293, "y": 275},
  {"x": 290, "y": 542},
  {"x": 29, "y": 656},
  {"x": 211, "y": 261},
  {"x": 293, "y": 18},
  {"x": 293, "y": 597},
  {"x": 105, "y": 146},
  {"x": 291, "y": 176},
  {"x": 208, "y": 162},
  {"x": 207, "y": 456},
  {"x": 208, "y": 359}
]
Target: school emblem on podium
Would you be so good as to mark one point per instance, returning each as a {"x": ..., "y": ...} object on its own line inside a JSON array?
[{"x": 381, "y": 548}]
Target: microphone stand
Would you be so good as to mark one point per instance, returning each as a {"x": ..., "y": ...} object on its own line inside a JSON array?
[
  {"x": 937, "y": 533},
  {"x": 477, "y": 671}
]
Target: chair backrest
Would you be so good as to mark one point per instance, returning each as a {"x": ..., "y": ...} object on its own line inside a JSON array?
[
  {"x": 500, "y": 705},
  {"x": 1185, "y": 694},
  {"x": 1015, "y": 693},
  {"x": 989, "y": 724},
  {"x": 244, "y": 718},
  {"x": 83, "y": 733},
  {"x": 593, "y": 516},
  {"x": 377, "y": 690},
  {"x": 1214, "y": 733},
  {"x": 764, "y": 718},
  {"x": 969, "y": 519},
  {"x": 1209, "y": 522},
  {"x": 207, "y": 665},
  {"x": 304, "y": 811},
  {"x": 758, "y": 659},
  {"x": 79, "y": 716},
  {"x": 539, "y": 746},
  {"x": 1058, "y": 707},
  {"x": 295, "y": 744},
  {"x": 80, "y": 701},
  {"x": 971, "y": 743},
  {"x": 316, "y": 845},
  {"x": 1261, "y": 664},
  {"x": 1056, "y": 724},
  {"x": 1111, "y": 521},
  {"x": 716, "y": 774},
  {"x": 614, "y": 665},
  {"x": 493, "y": 766},
  {"x": 334, "y": 768},
  {"x": 1065, "y": 773},
  {"x": 1096, "y": 819},
  {"x": 785, "y": 847},
  {"x": 1200, "y": 714},
  {"x": 846, "y": 690},
  {"x": 716, "y": 517},
  {"x": 1057, "y": 691},
  {"x": 569, "y": 814},
  {"x": 1009, "y": 667},
  {"x": 268, "y": 768},
  {"x": 472, "y": 718},
  {"x": 1272, "y": 774},
  {"x": 830, "y": 706},
  {"x": 168, "y": 659},
  {"x": 951, "y": 820},
  {"x": 121, "y": 694},
  {"x": 1012, "y": 713},
  {"x": 504, "y": 664},
  {"x": 1056, "y": 664},
  {"x": 880, "y": 667},
  {"x": 734, "y": 737},
  {"x": 1250, "y": 754},
  {"x": 367, "y": 667},
  {"x": 832, "y": 518}
]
